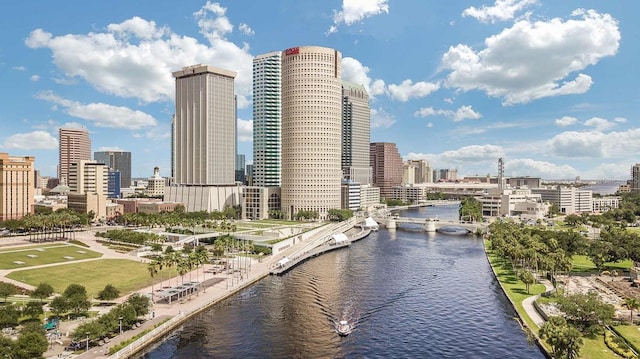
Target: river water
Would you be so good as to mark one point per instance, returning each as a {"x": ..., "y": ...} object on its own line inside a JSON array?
[{"x": 409, "y": 294}]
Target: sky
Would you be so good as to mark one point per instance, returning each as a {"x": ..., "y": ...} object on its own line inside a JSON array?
[{"x": 550, "y": 86}]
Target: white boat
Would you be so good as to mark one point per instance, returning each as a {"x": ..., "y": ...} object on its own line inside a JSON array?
[{"x": 343, "y": 328}]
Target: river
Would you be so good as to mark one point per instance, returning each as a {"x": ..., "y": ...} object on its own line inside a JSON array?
[{"x": 409, "y": 294}]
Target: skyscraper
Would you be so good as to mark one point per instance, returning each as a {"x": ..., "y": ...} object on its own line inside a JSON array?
[
  {"x": 356, "y": 124},
  {"x": 75, "y": 145},
  {"x": 118, "y": 161},
  {"x": 89, "y": 177},
  {"x": 311, "y": 129},
  {"x": 204, "y": 135},
  {"x": 387, "y": 167},
  {"x": 635, "y": 177},
  {"x": 267, "y": 117},
  {"x": 16, "y": 186}
]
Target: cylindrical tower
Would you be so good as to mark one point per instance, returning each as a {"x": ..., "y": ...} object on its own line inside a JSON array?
[{"x": 311, "y": 130}]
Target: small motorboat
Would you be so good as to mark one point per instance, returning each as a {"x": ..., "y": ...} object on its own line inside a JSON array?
[{"x": 343, "y": 328}]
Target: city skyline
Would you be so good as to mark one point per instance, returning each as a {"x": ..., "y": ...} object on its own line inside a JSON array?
[{"x": 459, "y": 85}]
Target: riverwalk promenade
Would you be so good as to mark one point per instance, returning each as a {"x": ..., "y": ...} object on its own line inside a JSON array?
[{"x": 165, "y": 317}]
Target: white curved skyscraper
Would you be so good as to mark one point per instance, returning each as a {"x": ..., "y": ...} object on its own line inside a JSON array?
[{"x": 311, "y": 130}]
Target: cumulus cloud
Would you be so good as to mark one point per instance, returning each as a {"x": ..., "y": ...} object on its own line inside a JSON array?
[
  {"x": 34, "y": 78},
  {"x": 566, "y": 121},
  {"x": 245, "y": 130},
  {"x": 246, "y": 29},
  {"x": 135, "y": 58},
  {"x": 101, "y": 114},
  {"x": 463, "y": 113},
  {"x": 599, "y": 124},
  {"x": 502, "y": 10},
  {"x": 354, "y": 71},
  {"x": 533, "y": 60},
  {"x": 36, "y": 140},
  {"x": 408, "y": 90},
  {"x": 19, "y": 68},
  {"x": 381, "y": 119},
  {"x": 535, "y": 168},
  {"x": 595, "y": 144},
  {"x": 354, "y": 11}
]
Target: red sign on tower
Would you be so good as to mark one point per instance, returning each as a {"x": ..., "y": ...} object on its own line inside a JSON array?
[{"x": 292, "y": 51}]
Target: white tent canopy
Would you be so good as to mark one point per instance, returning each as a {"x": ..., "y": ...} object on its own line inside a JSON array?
[
  {"x": 370, "y": 223},
  {"x": 340, "y": 237}
]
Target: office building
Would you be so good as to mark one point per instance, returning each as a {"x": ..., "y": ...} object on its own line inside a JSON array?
[
  {"x": 259, "y": 202},
  {"x": 356, "y": 128},
  {"x": 240, "y": 165},
  {"x": 75, "y": 145},
  {"x": 311, "y": 130},
  {"x": 267, "y": 119},
  {"x": 422, "y": 171},
  {"x": 635, "y": 178},
  {"x": 113, "y": 184},
  {"x": 155, "y": 184},
  {"x": 204, "y": 140},
  {"x": 204, "y": 130},
  {"x": 17, "y": 186},
  {"x": 89, "y": 177},
  {"x": 117, "y": 161},
  {"x": 387, "y": 164}
]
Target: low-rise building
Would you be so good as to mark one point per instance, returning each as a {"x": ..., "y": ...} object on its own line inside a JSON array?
[{"x": 259, "y": 201}]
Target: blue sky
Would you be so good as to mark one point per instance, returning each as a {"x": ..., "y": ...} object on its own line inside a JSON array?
[{"x": 551, "y": 86}]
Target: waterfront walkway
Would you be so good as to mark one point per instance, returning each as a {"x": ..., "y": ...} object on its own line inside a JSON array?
[
  {"x": 164, "y": 317},
  {"x": 529, "y": 308}
]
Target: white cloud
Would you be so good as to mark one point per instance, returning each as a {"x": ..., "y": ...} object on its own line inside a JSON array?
[
  {"x": 246, "y": 29},
  {"x": 245, "y": 130},
  {"x": 599, "y": 124},
  {"x": 595, "y": 144},
  {"x": 381, "y": 119},
  {"x": 354, "y": 11},
  {"x": 620, "y": 120},
  {"x": 354, "y": 71},
  {"x": 34, "y": 78},
  {"x": 566, "y": 121},
  {"x": 107, "y": 148},
  {"x": 19, "y": 68},
  {"x": 36, "y": 140},
  {"x": 462, "y": 113},
  {"x": 533, "y": 60},
  {"x": 430, "y": 125},
  {"x": 135, "y": 58},
  {"x": 535, "y": 168},
  {"x": 502, "y": 10},
  {"x": 101, "y": 114},
  {"x": 408, "y": 90}
]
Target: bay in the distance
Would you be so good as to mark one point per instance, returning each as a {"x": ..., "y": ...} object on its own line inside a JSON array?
[{"x": 410, "y": 295}]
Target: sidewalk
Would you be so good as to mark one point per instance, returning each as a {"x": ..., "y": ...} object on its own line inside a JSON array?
[{"x": 527, "y": 304}]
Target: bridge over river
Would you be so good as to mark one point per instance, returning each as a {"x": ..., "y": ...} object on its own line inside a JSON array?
[{"x": 432, "y": 224}]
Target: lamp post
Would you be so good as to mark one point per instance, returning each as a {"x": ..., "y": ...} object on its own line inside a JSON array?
[
  {"x": 87, "y": 341},
  {"x": 120, "y": 319}
]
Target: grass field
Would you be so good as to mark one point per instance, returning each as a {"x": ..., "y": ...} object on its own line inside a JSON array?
[
  {"x": 126, "y": 275},
  {"x": 15, "y": 248},
  {"x": 44, "y": 254},
  {"x": 583, "y": 264}
]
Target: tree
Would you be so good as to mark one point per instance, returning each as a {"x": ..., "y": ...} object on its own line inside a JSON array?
[
  {"x": 565, "y": 340},
  {"x": 6, "y": 347},
  {"x": 586, "y": 311},
  {"x": 33, "y": 310},
  {"x": 9, "y": 316},
  {"x": 632, "y": 303},
  {"x": 528, "y": 279},
  {"x": 140, "y": 303},
  {"x": 76, "y": 298},
  {"x": 109, "y": 293},
  {"x": 42, "y": 291},
  {"x": 59, "y": 305},
  {"x": 7, "y": 289}
]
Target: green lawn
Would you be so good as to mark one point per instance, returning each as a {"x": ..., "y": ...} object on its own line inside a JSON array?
[
  {"x": 515, "y": 289},
  {"x": 583, "y": 264},
  {"x": 14, "y": 248},
  {"x": 126, "y": 275},
  {"x": 45, "y": 254}
]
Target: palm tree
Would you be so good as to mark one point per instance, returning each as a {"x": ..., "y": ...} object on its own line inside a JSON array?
[
  {"x": 153, "y": 270},
  {"x": 632, "y": 303}
]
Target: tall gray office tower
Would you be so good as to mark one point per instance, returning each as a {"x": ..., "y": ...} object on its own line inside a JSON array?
[
  {"x": 118, "y": 161},
  {"x": 356, "y": 127},
  {"x": 204, "y": 131},
  {"x": 267, "y": 117}
]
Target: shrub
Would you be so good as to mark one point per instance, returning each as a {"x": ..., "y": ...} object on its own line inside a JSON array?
[{"x": 618, "y": 345}]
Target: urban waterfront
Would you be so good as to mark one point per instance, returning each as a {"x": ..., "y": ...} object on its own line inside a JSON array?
[{"x": 410, "y": 295}]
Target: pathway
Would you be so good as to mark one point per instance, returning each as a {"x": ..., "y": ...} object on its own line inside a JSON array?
[{"x": 530, "y": 309}]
